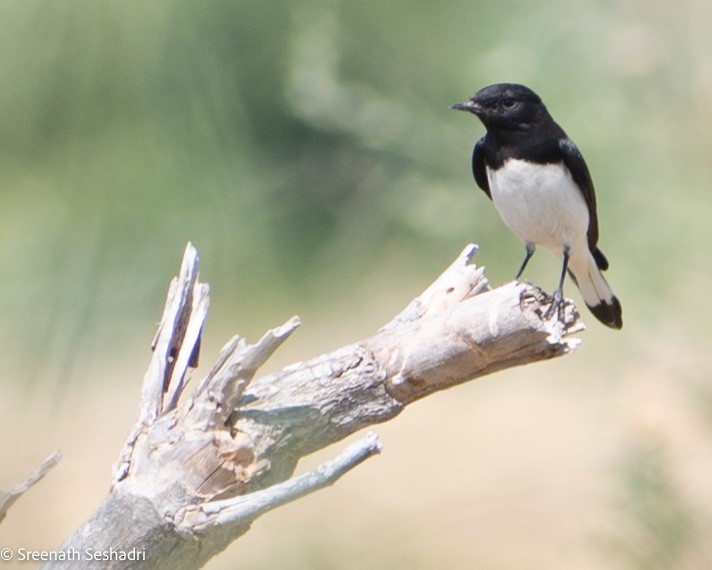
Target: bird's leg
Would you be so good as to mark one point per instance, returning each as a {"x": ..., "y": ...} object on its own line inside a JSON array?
[
  {"x": 558, "y": 302},
  {"x": 530, "y": 251}
]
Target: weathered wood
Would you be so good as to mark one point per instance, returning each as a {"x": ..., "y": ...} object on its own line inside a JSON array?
[
  {"x": 8, "y": 498},
  {"x": 195, "y": 473}
]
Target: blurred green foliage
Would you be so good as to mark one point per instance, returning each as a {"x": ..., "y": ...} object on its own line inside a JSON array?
[
  {"x": 297, "y": 142},
  {"x": 659, "y": 529}
]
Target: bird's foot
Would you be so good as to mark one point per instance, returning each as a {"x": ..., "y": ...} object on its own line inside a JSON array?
[{"x": 558, "y": 305}]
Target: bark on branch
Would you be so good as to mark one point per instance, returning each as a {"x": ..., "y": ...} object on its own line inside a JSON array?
[{"x": 196, "y": 471}]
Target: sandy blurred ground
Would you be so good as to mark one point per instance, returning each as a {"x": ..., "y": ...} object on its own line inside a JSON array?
[{"x": 564, "y": 464}]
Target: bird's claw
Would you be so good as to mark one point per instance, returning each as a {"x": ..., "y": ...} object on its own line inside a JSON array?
[{"x": 557, "y": 304}]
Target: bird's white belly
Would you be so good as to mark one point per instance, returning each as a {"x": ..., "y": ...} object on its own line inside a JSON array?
[{"x": 541, "y": 204}]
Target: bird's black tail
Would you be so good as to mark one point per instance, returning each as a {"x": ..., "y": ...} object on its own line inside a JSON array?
[{"x": 595, "y": 290}]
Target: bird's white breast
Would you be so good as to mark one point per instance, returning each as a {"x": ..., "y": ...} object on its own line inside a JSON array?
[{"x": 540, "y": 203}]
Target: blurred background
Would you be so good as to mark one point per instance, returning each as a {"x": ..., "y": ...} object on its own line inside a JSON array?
[{"x": 307, "y": 149}]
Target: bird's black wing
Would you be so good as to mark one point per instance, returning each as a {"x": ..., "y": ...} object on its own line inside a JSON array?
[
  {"x": 577, "y": 166},
  {"x": 479, "y": 169}
]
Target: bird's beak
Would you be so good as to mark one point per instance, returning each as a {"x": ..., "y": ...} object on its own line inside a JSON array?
[{"x": 470, "y": 106}]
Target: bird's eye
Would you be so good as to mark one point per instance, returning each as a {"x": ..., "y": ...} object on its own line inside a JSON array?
[{"x": 508, "y": 103}]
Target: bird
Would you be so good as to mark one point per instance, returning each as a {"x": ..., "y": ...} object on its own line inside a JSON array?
[{"x": 542, "y": 189}]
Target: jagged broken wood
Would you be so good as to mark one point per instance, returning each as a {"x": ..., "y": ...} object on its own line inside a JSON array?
[{"x": 197, "y": 470}]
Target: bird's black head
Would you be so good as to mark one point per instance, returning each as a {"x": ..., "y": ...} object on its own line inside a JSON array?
[{"x": 506, "y": 107}]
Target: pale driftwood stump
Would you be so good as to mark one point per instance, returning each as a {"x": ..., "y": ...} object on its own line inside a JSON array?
[{"x": 196, "y": 472}]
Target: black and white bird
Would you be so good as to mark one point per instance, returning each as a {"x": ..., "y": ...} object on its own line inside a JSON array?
[{"x": 542, "y": 189}]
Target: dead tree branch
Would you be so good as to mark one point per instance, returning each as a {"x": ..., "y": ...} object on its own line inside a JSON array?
[
  {"x": 8, "y": 498},
  {"x": 196, "y": 471}
]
